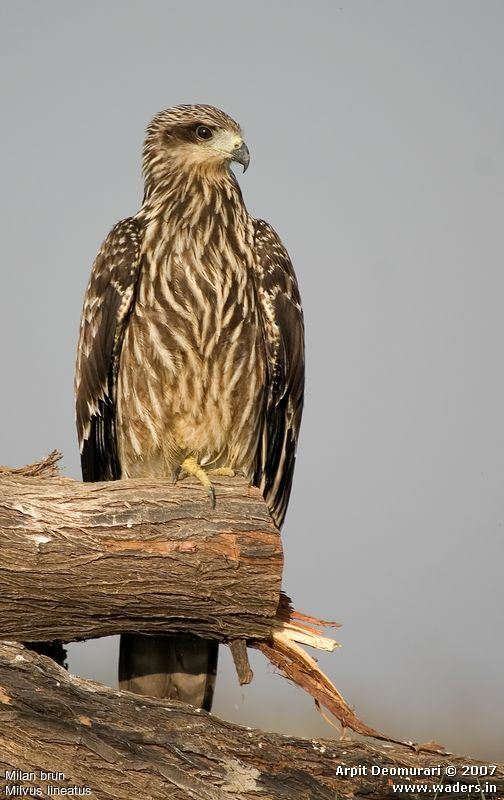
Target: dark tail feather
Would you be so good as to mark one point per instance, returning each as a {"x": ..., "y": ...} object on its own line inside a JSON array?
[{"x": 178, "y": 667}]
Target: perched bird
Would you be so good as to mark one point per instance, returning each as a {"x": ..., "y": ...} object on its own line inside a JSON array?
[{"x": 191, "y": 353}]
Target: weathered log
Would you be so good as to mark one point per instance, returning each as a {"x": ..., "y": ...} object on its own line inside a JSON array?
[
  {"x": 120, "y": 746},
  {"x": 84, "y": 560}
]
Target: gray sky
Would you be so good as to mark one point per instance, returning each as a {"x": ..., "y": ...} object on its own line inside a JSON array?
[{"x": 376, "y": 135}]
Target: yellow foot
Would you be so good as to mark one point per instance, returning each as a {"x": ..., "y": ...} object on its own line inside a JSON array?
[{"x": 191, "y": 466}]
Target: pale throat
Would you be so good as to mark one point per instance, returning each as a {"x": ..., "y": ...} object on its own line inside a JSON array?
[{"x": 193, "y": 195}]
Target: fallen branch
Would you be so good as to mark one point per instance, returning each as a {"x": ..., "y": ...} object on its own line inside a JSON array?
[{"x": 121, "y": 746}]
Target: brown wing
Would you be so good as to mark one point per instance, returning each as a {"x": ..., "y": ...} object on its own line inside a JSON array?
[
  {"x": 107, "y": 304},
  {"x": 282, "y": 319}
]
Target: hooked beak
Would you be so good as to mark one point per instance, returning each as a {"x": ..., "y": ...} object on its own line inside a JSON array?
[{"x": 241, "y": 155}]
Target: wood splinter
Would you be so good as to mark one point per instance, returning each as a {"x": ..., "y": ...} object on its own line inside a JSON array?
[{"x": 238, "y": 649}]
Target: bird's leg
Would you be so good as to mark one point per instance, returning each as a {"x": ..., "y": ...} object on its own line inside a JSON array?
[{"x": 192, "y": 467}]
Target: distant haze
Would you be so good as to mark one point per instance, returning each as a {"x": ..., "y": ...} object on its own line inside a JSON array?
[{"x": 376, "y": 133}]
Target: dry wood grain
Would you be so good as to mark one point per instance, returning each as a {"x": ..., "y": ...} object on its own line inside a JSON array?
[
  {"x": 83, "y": 560},
  {"x": 124, "y": 747}
]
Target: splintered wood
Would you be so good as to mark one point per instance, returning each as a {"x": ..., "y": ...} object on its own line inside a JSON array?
[
  {"x": 45, "y": 468},
  {"x": 290, "y": 630}
]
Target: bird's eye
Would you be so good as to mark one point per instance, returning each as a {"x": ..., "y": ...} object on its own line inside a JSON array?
[{"x": 202, "y": 132}]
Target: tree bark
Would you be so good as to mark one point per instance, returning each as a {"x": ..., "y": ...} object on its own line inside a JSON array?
[
  {"x": 120, "y": 746},
  {"x": 84, "y": 560},
  {"x": 81, "y": 560}
]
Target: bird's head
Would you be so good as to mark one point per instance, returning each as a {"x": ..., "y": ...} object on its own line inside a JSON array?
[{"x": 194, "y": 138}]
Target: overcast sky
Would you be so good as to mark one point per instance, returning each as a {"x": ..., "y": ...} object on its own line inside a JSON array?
[{"x": 376, "y": 138}]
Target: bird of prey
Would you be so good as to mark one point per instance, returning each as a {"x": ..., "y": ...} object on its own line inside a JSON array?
[{"x": 191, "y": 353}]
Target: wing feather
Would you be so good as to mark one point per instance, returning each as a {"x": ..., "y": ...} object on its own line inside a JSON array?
[
  {"x": 107, "y": 304},
  {"x": 283, "y": 327}
]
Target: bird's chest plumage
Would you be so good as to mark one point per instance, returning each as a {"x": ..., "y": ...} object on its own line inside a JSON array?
[{"x": 192, "y": 367}]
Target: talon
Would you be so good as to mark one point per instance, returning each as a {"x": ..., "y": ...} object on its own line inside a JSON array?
[
  {"x": 211, "y": 494},
  {"x": 192, "y": 467}
]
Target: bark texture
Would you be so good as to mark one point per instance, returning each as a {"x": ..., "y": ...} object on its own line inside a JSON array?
[
  {"x": 81, "y": 560},
  {"x": 121, "y": 746}
]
